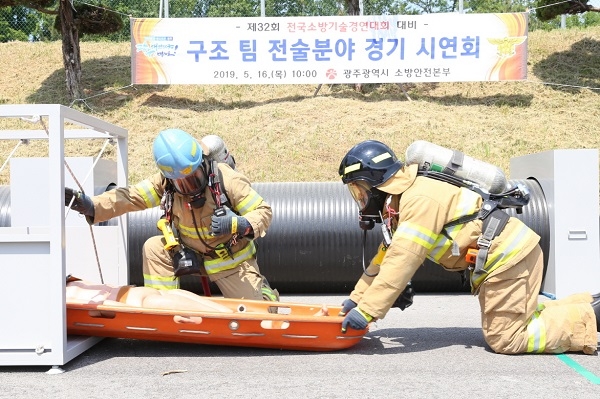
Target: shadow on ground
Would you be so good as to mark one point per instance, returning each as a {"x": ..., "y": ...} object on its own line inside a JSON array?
[
  {"x": 579, "y": 66},
  {"x": 99, "y": 78}
]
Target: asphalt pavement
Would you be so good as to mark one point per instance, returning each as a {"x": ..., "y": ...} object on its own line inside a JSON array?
[{"x": 434, "y": 349}]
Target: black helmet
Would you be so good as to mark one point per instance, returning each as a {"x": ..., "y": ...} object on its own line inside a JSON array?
[{"x": 371, "y": 161}]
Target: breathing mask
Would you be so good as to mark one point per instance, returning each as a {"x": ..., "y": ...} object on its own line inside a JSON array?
[
  {"x": 192, "y": 185},
  {"x": 370, "y": 202}
]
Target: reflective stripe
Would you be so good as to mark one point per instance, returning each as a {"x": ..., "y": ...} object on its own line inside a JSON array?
[
  {"x": 381, "y": 157},
  {"x": 217, "y": 265},
  {"x": 190, "y": 231},
  {"x": 351, "y": 168},
  {"x": 160, "y": 282},
  {"x": 467, "y": 204},
  {"x": 417, "y": 234},
  {"x": 249, "y": 203},
  {"x": 146, "y": 190},
  {"x": 504, "y": 253},
  {"x": 536, "y": 331}
]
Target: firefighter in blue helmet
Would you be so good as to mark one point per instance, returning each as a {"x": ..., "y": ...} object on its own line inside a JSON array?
[{"x": 211, "y": 209}]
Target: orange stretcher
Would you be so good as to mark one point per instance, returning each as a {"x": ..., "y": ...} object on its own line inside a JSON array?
[{"x": 263, "y": 324}]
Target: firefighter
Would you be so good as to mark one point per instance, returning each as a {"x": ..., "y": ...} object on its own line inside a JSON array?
[
  {"x": 211, "y": 210},
  {"x": 415, "y": 210}
]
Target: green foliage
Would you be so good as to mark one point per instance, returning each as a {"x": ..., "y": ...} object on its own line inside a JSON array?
[
  {"x": 94, "y": 20},
  {"x": 234, "y": 8},
  {"x": 495, "y": 6},
  {"x": 21, "y": 20},
  {"x": 35, "y": 4},
  {"x": 547, "y": 10}
]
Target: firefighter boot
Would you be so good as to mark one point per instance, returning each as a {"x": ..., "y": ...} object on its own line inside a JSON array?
[{"x": 596, "y": 307}]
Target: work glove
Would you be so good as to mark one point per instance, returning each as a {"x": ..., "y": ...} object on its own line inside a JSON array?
[
  {"x": 81, "y": 202},
  {"x": 226, "y": 222},
  {"x": 347, "y": 305},
  {"x": 405, "y": 299},
  {"x": 356, "y": 319}
]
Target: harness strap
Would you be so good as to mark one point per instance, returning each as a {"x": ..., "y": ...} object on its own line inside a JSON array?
[
  {"x": 455, "y": 162},
  {"x": 493, "y": 225}
]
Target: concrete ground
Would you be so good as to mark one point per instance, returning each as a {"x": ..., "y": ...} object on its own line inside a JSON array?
[{"x": 435, "y": 349}]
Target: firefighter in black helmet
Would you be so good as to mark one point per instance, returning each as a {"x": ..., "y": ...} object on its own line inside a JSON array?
[
  {"x": 366, "y": 166},
  {"x": 416, "y": 210}
]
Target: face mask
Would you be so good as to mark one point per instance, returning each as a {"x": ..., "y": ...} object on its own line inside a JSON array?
[
  {"x": 370, "y": 203},
  {"x": 192, "y": 184}
]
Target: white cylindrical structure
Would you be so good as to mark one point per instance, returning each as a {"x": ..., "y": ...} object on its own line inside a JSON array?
[
  {"x": 431, "y": 156},
  {"x": 216, "y": 150}
]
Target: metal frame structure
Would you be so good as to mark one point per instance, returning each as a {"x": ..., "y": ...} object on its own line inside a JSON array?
[{"x": 33, "y": 257}]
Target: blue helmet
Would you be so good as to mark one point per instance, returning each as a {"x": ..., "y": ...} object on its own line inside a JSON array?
[{"x": 176, "y": 153}]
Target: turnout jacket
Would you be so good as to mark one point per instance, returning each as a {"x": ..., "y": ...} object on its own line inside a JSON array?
[
  {"x": 193, "y": 224},
  {"x": 418, "y": 208}
]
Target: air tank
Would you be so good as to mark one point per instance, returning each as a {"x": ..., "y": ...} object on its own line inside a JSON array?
[
  {"x": 216, "y": 150},
  {"x": 431, "y": 156}
]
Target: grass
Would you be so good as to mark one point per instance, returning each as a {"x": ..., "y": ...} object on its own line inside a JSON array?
[{"x": 283, "y": 133}]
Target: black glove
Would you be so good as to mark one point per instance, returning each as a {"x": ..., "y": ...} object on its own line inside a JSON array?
[
  {"x": 356, "y": 319},
  {"x": 185, "y": 261},
  {"x": 226, "y": 222},
  {"x": 81, "y": 202},
  {"x": 347, "y": 305},
  {"x": 406, "y": 297}
]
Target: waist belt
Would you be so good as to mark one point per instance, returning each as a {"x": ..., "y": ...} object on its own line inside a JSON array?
[{"x": 223, "y": 259}]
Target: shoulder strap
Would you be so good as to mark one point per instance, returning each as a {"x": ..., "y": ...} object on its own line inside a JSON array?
[{"x": 218, "y": 186}]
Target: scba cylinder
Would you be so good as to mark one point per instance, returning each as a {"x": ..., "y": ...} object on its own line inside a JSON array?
[
  {"x": 431, "y": 156},
  {"x": 217, "y": 150}
]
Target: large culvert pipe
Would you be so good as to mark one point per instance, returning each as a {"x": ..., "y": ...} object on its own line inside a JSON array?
[{"x": 314, "y": 242}]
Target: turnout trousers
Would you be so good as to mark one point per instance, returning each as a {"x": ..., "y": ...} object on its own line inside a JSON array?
[
  {"x": 242, "y": 281},
  {"x": 513, "y": 320}
]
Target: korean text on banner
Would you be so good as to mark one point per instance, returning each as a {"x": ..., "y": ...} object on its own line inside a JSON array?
[{"x": 352, "y": 49}]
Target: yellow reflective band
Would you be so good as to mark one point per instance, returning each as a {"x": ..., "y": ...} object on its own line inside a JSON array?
[
  {"x": 536, "y": 330},
  {"x": 249, "y": 203},
  {"x": 351, "y": 168},
  {"x": 234, "y": 225},
  {"x": 160, "y": 282},
  {"x": 165, "y": 168},
  {"x": 467, "y": 203},
  {"x": 367, "y": 316},
  {"x": 381, "y": 157},
  {"x": 148, "y": 193},
  {"x": 510, "y": 248},
  {"x": 186, "y": 171},
  {"x": 440, "y": 246},
  {"x": 217, "y": 265},
  {"x": 417, "y": 234},
  {"x": 190, "y": 231}
]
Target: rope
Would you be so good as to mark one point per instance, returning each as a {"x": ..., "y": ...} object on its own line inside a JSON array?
[
  {"x": 72, "y": 199},
  {"x": 529, "y": 10},
  {"x": 563, "y": 85},
  {"x": 22, "y": 141}
]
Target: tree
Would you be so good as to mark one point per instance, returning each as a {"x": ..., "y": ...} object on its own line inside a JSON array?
[
  {"x": 550, "y": 9},
  {"x": 72, "y": 21}
]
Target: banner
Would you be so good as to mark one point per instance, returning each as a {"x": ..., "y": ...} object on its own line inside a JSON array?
[{"x": 316, "y": 50}]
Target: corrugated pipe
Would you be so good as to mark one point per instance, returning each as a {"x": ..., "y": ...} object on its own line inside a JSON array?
[{"x": 314, "y": 244}]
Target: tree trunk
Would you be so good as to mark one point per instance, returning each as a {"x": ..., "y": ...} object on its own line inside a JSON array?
[
  {"x": 70, "y": 49},
  {"x": 354, "y": 9}
]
